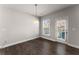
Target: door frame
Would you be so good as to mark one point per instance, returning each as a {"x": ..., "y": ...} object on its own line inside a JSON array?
[{"x": 67, "y": 34}]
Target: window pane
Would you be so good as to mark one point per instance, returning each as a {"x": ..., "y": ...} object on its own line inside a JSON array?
[
  {"x": 46, "y": 27},
  {"x": 61, "y": 29}
]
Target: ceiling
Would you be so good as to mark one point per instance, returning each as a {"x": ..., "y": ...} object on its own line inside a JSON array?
[{"x": 42, "y": 9}]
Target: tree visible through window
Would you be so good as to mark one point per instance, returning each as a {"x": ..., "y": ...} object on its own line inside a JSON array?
[{"x": 61, "y": 29}]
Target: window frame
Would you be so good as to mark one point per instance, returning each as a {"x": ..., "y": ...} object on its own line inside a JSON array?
[{"x": 43, "y": 31}]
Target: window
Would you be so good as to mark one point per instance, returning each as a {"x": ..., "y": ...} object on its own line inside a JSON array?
[
  {"x": 61, "y": 29},
  {"x": 46, "y": 27}
]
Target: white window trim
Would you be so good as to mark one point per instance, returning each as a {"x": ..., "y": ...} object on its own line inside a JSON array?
[
  {"x": 43, "y": 29},
  {"x": 66, "y": 37}
]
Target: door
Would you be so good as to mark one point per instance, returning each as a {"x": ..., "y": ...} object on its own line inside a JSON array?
[{"x": 61, "y": 30}]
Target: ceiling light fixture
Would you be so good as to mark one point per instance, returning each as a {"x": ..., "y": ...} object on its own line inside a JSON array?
[{"x": 36, "y": 10}]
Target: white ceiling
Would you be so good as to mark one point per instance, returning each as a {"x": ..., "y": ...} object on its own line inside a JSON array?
[{"x": 42, "y": 9}]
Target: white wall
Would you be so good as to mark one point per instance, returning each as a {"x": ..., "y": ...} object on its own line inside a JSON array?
[
  {"x": 72, "y": 15},
  {"x": 16, "y": 26}
]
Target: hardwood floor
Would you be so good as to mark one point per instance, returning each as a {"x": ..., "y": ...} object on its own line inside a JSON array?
[{"x": 39, "y": 46}]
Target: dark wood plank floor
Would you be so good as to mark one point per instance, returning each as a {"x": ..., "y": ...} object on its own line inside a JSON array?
[{"x": 39, "y": 46}]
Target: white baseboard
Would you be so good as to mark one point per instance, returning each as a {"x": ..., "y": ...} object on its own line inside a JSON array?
[
  {"x": 18, "y": 42},
  {"x": 52, "y": 39},
  {"x": 48, "y": 38},
  {"x": 0, "y": 47},
  {"x": 75, "y": 46}
]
